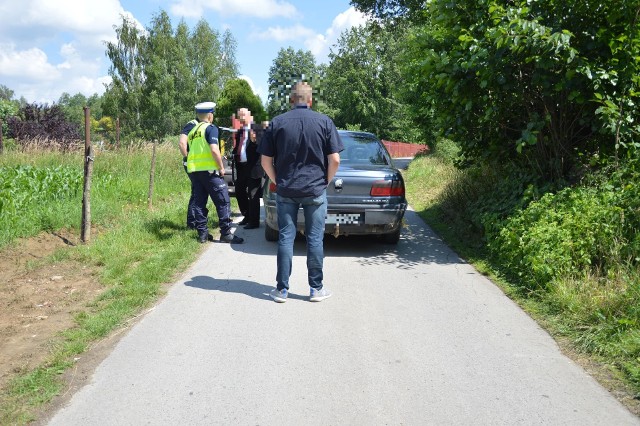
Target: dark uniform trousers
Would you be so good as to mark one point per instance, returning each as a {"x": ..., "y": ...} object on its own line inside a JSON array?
[
  {"x": 206, "y": 184},
  {"x": 191, "y": 215},
  {"x": 248, "y": 193}
]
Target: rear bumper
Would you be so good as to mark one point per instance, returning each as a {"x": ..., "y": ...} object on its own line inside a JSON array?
[{"x": 350, "y": 219}]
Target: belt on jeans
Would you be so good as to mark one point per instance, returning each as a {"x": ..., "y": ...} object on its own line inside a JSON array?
[{"x": 215, "y": 173}]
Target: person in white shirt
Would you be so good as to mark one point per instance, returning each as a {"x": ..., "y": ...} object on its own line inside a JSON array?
[{"x": 246, "y": 157}]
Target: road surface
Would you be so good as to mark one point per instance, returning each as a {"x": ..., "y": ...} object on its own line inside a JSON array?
[{"x": 412, "y": 336}]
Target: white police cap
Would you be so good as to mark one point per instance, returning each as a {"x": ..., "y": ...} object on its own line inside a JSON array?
[{"x": 204, "y": 107}]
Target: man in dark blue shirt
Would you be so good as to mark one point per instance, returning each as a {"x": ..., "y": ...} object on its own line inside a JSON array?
[{"x": 300, "y": 153}]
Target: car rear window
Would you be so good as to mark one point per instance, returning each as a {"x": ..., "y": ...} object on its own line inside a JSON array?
[{"x": 362, "y": 149}]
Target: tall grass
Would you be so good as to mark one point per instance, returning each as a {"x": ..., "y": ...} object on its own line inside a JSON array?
[{"x": 135, "y": 250}]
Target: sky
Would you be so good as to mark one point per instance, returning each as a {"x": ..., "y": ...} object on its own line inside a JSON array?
[{"x": 49, "y": 47}]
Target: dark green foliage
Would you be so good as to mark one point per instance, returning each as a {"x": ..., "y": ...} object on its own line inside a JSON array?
[
  {"x": 536, "y": 83},
  {"x": 161, "y": 74},
  {"x": 289, "y": 67},
  {"x": 366, "y": 86},
  {"x": 238, "y": 94}
]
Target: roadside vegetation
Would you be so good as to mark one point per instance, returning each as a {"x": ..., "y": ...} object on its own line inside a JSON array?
[
  {"x": 134, "y": 249},
  {"x": 569, "y": 257},
  {"x": 530, "y": 109}
]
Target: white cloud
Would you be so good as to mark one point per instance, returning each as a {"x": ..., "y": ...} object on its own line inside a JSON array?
[
  {"x": 30, "y": 64},
  {"x": 317, "y": 43},
  {"x": 263, "y": 9},
  {"x": 29, "y": 73},
  {"x": 281, "y": 34},
  {"x": 78, "y": 29},
  {"x": 320, "y": 44}
]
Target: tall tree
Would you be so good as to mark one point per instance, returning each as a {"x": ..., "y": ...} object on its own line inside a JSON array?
[
  {"x": 537, "y": 83},
  {"x": 123, "y": 97},
  {"x": 229, "y": 68},
  {"x": 160, "y": 112},
  {"x": 205, "y": 58},
  {"x": 365, "y": 89},
  {"x": 160, "y": 74},
  {"x": 289, "y": 67},
  {"x": 184, "y": 82}
]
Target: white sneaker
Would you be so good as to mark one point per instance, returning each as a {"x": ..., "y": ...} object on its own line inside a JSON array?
[
  {"x": 279, "y": 296},
  {"x": 320, "y": 295}
]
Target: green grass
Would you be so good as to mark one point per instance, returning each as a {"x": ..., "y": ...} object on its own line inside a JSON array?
[{"x": 135, "y": 251}]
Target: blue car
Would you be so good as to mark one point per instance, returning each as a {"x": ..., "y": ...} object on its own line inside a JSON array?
[{"x": 366, "y": 197}]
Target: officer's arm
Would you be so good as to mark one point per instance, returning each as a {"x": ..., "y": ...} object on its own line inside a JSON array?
[
  {"x": 182, "y": 144},
  {"x": 215, "y": 151},
  {"x": 267, "y": 165}
]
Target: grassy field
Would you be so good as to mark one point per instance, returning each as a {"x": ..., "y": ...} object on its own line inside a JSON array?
[{"x": 134, "y": 249}]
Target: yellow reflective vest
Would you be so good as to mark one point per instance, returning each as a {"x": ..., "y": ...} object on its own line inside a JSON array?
[{"x": 200, "y": 157}]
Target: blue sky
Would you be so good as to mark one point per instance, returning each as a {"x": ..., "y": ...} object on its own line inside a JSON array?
[{"x": 48, "y": 47}]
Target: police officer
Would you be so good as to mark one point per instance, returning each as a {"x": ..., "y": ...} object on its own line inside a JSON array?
[
  {"x": 191, "y": 218},
  {"x": 206, "y": 171}
]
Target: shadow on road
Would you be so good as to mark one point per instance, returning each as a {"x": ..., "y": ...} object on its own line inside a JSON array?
[
  {"x": 418, "y": 245},
  {"x": 249, "y": 288}
]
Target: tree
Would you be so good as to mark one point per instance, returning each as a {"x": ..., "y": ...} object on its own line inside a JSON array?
[
  {"x": 8, "y": 109},
  {"x": 41, "y": 122},
  {"x": 123, "y": 97},
  {"x": 238, "y": 94},
  {"x": 159, "y": 76},
  {"x": 365, "y": 89},
  {"x": 161, "y": 115},
  {"x": 535, "y": 83},
  {"x": 289, "y": 67},
  {"x": 6, "y": 93}
]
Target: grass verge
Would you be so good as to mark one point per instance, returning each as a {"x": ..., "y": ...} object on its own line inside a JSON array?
[{"x": 135, "y": 251}]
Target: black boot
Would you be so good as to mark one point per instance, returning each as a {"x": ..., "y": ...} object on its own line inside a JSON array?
[{"x": 203, "y": 236}]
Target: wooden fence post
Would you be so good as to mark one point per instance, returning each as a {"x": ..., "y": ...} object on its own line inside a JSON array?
[
  {"x": 117, "y": 131},
  {"x": 85, "y": 235},
  {"x": 152, "y": 174}
]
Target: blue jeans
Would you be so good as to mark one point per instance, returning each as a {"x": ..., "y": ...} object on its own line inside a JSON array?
[{"x": 315, "y": 212}]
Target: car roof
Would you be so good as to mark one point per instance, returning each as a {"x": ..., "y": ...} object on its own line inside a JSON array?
[{"x": 357, "y": 133}]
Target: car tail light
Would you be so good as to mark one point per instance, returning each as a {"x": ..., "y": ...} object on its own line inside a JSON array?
[
  {"x": 387, "y": 188},
  {"x": 272, "y": 187}
]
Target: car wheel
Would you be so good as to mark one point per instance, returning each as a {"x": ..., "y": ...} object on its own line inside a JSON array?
[
  {"x": 391, "y": 238},
  {"x": 270, "y": 234}
]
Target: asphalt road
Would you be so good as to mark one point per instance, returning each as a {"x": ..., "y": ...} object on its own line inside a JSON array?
[{"x": 412, "y": 336}]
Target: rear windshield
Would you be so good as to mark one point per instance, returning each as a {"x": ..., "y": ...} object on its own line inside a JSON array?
[{"x": 362, "y": 149}]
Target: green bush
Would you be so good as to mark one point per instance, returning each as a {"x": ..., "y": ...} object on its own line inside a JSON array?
[{"x": 561, "y": 234}]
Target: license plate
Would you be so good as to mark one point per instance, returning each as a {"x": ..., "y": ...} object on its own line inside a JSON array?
[{"x": 344, "y": 218}]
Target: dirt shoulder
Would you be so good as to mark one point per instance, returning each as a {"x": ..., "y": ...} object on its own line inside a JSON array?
[{"x": 39, "y": 300}]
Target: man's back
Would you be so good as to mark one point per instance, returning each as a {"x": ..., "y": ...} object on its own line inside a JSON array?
[{"x": 300, "y": 141}]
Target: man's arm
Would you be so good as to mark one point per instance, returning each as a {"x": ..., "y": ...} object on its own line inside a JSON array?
[
  {"x": 334, "y": 162},
  {"x": 267, "y": 165},
  {"x": 182, "y": 144}
]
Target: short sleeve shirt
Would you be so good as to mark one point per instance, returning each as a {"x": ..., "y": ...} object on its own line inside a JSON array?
[{"x": 299, "y": 142}]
